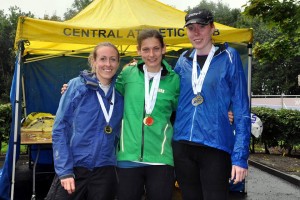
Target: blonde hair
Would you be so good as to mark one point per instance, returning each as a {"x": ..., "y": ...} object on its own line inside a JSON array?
[{"x": 93, "y": 55}]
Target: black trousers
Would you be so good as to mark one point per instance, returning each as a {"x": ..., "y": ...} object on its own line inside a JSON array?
[
  {"x": 157, "y": 181},
  {"x": 98, "y": 184},
  {"x": 202, "y": 172}
]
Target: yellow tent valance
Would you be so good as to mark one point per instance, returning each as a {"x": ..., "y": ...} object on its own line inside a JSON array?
[{"x": 116, "y": 21}]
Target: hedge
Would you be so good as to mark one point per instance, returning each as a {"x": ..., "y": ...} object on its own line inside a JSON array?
[
  {"x": 5, "y": 122},
  {"x": 280, "y": 128}
]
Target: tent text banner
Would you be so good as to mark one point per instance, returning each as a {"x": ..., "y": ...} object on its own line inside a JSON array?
[{"x": 45, "y": 36}]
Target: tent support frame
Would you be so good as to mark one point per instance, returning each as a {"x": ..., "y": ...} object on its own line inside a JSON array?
[{"x": 17, "y": 117}]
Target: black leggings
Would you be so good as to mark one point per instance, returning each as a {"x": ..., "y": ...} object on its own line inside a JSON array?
[
  {"x": 157, "y": 181},
  {"x": 202, "y": 172},
  {"x": 98, "y": 184}
]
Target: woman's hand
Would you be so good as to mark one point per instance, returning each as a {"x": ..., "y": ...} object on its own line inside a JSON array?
[
  {"x": 64, "y": 88},
  {"x": 68, "y": 184},
  {"x": 230, "y": 117}
]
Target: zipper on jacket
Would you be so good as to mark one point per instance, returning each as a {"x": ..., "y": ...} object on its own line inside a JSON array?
[
  {"x": 142, "y": 145},
  {"x": 191, "y": 133},
  {"x": 143, "y": 137},
  {"x": 143, "y": 134},
  {"x": 122, "y": 136}
]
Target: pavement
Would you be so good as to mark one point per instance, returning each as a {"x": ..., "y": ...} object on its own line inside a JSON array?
[
  {"x": 287, "y": 177},
  {"x": 263, "y": 183}
]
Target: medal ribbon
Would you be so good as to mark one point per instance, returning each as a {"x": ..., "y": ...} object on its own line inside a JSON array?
[
  {"x": 197, "y": 82},
  {"x": 107, "y": 115},
  {"x": 150, "y": 98}
]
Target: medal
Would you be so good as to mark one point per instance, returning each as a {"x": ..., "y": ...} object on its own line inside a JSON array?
[
  {"x": 108, "y": 129},
  {"x": 107, "y": 115},
  {"x": 148, "y": 121},
  {"x": 197, "y": 100},
  {"x": 197, "y": 81},
  {"x": 150, "y": 96}
]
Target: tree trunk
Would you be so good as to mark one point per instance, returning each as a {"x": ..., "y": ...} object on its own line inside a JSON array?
[
  {"x": 266, "y": 148},
  {"x": 253, "y": 144},
  {"x": 290, "y": 148}
]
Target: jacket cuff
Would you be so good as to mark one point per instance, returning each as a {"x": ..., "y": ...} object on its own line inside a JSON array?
[{"x": 67, "y": 176}]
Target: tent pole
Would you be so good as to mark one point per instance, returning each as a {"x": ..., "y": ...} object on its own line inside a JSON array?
[
  {"x": 249, "y": 85},
  {"x": 16, "y": 119},
  {"x": 24, "y": 97},
  {"x": 249, "y": 71}
]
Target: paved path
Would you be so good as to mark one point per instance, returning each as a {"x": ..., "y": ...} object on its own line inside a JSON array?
[
  {"x": 263, "y": 186},
  {"x": 260, "y": 186}
]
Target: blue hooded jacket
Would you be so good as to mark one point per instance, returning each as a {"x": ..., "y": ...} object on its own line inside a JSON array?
[
  {"x": 224, "y": 88},
  {"x": 78, "y": 135}
]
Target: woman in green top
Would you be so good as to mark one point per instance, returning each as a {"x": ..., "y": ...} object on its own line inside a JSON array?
[{"x": 150, "y": 89}]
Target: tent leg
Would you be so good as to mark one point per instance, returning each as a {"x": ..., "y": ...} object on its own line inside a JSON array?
[
  {"x": 249, "y": 71},
  {"x": 16, "y": 119}
]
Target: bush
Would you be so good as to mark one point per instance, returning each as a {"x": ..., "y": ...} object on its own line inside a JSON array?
[
  {"x": 280, "y": 127},
  {"x": 289, "y": 124},
  {"x": 5, "y": 122}
]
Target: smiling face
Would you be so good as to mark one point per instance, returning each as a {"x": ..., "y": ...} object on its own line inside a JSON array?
[
  {"x": 105, "y": 63},
  {"x": 201, "y": 37},
  {"x": 151, "y": 50}
]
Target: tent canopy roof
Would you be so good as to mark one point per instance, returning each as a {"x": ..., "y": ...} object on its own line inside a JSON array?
[{"x": 116, "y": 21}]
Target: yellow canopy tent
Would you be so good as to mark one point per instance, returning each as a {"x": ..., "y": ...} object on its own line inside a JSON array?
[{"x": 117, "y": 21}]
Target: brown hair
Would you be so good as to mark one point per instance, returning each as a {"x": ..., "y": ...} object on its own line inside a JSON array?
[{"x": 149, "y": 33}]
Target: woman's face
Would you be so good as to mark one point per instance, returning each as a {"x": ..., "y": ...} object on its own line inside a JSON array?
[
  {"x": 201, "y": 37},
  {"x": 106, "y": 64},
  {"x": 152, "y": 52}
]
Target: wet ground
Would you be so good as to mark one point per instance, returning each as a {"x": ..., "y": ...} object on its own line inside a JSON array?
[{"x": 259, "y": 185}]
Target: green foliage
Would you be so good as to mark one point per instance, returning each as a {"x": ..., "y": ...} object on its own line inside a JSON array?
[
  {"x": 222, "y": 13},
  {"x": 289, "y": 124},
  {"x": 6, "y": 56},
  {"x": 271, "y": 132},
  {"x": 77, "y": 6},
  {"x": 23, "y": 148},
  {"x": 282, "y": 14},
  {"x": 277, "y": 70},
  {"x": 280, "y": 127},
  {"x": 5, "y": 121},
  {"x": 52, "y": 18},
  {"x": 8, "y": 26},
  {"x": 280, "y": 54}
]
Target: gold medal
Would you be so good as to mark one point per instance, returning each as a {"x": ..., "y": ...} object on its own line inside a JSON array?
[
  {"x": 108, "y": 129},
  {"x": 197, "y": 100},
  {"x": 148, "y": 121}
]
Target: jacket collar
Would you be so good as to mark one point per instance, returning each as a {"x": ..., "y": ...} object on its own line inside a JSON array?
[
  {"x": 164, "y": 71},
  {"x": 92, "y": 83},
  {"x": 221, "y": 47}
]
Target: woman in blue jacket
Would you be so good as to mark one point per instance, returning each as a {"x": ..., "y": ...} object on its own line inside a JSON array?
[
  {"x": 207, "y": 152},
  {"x": 84, "y": 136}
]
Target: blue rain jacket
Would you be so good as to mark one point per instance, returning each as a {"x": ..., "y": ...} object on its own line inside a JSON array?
[
  {"x": 224, "y": 89},
  {"x": 78, "y": 133}
]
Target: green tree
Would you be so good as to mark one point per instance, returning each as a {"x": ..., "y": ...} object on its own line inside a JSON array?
[
  {"x": 5, "y": 120},
  {"x": 54, "y": 17},
  {"x": 8, "y": 26},
  {"x": 77, "y": 6},
  {"x": 278, "y": 57},
  {"x": 222, "y": 13},
  {"x": 289, "y": 125},
  {"x": 5, "y": 57}
]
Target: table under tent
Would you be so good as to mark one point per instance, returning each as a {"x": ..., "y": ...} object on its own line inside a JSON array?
[{"x": 50, "y": 53}]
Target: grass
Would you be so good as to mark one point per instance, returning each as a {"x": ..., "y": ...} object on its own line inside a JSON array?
[{"x": 4, "y": 148}]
